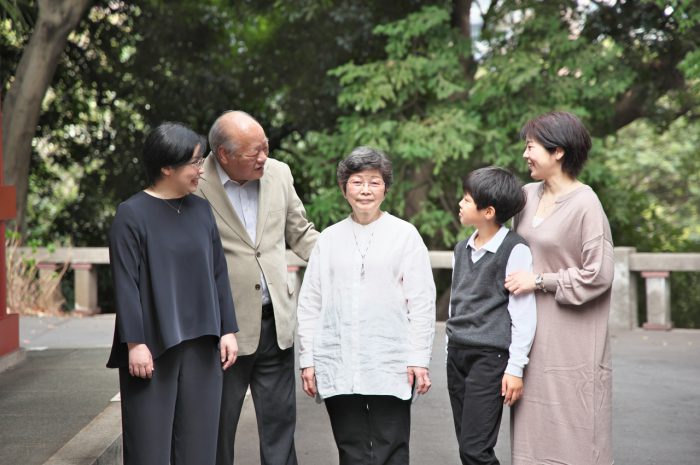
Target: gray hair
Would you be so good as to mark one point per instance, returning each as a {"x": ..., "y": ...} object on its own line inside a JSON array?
[
  {"x": 218, "y": 137},
  {"x": 361, "y": 159}
]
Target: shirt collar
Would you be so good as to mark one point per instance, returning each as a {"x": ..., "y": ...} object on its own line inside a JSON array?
[
  {"x": 224, "y": 178},
  {"x": 220, "y": 171},
  {"x": 492, "y": 245}
]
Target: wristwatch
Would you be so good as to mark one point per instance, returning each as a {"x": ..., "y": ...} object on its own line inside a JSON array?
[{"x": 539, "y": 282}]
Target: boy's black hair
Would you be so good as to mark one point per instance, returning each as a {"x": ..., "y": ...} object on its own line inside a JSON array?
[
  {"x": 169, "y": 144},
  {"x": 498, "y": 188}
]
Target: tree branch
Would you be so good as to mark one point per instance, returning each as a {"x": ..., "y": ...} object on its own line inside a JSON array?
[
  {"x": 640, "y": 100},
  {"x": 461, "y": 21},
  {"x": 22, "y": 106}
]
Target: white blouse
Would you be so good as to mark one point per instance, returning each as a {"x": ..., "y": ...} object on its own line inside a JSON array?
[{"x": 361, "y": 334}]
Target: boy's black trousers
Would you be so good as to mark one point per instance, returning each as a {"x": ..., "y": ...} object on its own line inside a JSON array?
[{"x": 474, "y": 378}]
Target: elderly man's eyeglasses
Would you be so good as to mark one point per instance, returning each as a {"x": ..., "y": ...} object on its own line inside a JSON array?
[{"x": 255, "y": 152}]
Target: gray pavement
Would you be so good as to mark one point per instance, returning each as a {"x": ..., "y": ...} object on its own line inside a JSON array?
[
  {"x": 39, "y": 333},
  {"x": 48, "y": 399},
  {"x": 58, "y": 389},
  {"x": 656, "y": 397},
  {"x": 63, "y": 385}
]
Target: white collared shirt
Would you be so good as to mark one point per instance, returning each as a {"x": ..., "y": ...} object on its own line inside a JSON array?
[
  {"x": 522, "y": 308},
  {"x": 244, "y": 199},
  {"x": 362, "y": 333}
]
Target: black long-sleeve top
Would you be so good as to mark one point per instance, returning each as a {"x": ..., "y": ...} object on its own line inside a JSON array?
[{"x": 170, "y": 277}]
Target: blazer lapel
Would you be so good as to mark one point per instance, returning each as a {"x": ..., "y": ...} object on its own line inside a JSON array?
[
  {"x": 213, "y": 191},
  {"x": 263, "y": 203}
]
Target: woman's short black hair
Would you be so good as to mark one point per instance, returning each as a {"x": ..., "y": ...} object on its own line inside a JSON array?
[
  {"x": 498, "y": 188},
  {"x": 364, "y": 158},
  {"x": 561, "y": 129},
  {"x": 169, "y": 144}
]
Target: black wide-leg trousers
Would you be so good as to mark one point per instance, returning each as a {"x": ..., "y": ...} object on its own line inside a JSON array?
[
  {"x": 173, "y": 418},
  {"x": 474, "y": 378},
  {"x": 370, "y": 430},
  {"x": 270, "y": 374}
]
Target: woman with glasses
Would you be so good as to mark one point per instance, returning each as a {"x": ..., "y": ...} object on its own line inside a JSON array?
[
  {"x": 367, "y": 318},
  {"x": 175, "y": 319}
]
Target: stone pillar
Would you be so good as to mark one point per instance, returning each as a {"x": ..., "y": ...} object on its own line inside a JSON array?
[
  {"x": 658, "y": 287},
  {"x": 623, "y": 311},
  {"x": 85, "y": 288},
  {"x": 46, "y": 275}
]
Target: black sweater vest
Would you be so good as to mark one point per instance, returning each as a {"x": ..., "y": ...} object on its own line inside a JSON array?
[{"x": 479, "y": 299}]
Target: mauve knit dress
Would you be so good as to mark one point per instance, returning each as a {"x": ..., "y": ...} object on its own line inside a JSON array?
[{"x": 565, "y": 414}]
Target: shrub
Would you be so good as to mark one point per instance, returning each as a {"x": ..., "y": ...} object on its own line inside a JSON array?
[{"x": 31, "y": 290}]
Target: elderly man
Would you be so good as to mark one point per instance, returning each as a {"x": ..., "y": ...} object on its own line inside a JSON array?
[{"x": 258, "y": 213}]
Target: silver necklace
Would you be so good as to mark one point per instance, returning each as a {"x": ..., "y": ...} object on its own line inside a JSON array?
[
  {"x": 179, "y": 206},
  {"x": 357, "y": 246}
]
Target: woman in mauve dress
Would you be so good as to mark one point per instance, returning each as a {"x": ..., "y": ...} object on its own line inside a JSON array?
[{"x": 565, "y": 414}]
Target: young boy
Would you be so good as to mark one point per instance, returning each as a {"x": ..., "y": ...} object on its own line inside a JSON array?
[{"x": 489, "y": 332}]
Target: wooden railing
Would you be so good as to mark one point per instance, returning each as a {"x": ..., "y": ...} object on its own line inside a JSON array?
[{"x": 655, "y": 268}]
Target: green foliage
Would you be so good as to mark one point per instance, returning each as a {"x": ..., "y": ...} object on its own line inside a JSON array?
[
  {"x": 685, "y": 295},
  {"x": 130, "y": 65},
  {"x": 401, "y": 105},
  {"x": 438, "y": 118},
  {"x": 690, "y": 67},
  {"x": 326, "y": 76},
  {"x": 17, "y": 11},
  {"x": 424, "y": 108},
  {"x": 662, "y": 210}
]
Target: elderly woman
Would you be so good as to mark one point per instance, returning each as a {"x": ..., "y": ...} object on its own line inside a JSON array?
[
  {"x": 367, "y": 319},
  {"x": 174, "y": 306},
  {"x": 565, "y": 413}
]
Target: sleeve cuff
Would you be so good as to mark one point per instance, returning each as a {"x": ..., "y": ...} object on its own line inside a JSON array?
[
  {"x": 229, "y": 327},
  {"x": 514, "y": 370},
  {"x": 418, "y": 361},
  {"x": 549, "y": 280},
  {"x": 132, "y": 338},
  {"x": 306, "y": 360}
]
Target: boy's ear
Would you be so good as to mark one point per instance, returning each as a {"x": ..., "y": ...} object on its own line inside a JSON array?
[{"x": 489, "y": 213}]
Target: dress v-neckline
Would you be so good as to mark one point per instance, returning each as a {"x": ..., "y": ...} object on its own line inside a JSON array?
[{"x": 557, "y": 202}]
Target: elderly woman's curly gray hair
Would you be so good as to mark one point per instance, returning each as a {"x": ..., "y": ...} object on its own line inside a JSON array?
[{"x": 361, "y": 159}]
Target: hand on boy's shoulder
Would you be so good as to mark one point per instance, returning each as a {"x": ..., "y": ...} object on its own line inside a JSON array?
[{"x": 511, "y": 389}]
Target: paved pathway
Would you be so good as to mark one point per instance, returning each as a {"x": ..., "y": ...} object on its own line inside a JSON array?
[
  {"x": 656, "y": 408},
  {"x": 63, "y": 384},
  {"x": 48, "y": 399}
]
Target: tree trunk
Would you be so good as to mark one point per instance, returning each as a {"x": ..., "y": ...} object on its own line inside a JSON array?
[
  {"x": 22, "y": 106},
  {"x": 462, "y": 21},
  {"x": 420, "y": 178},
  {"x": 422, "y": 175}
]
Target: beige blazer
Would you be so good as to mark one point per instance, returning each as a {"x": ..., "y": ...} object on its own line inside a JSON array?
[{"x": 281, "y": 222}]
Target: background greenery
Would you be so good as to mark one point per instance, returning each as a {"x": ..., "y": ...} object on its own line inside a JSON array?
[{"x": 440, "y": 95}]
